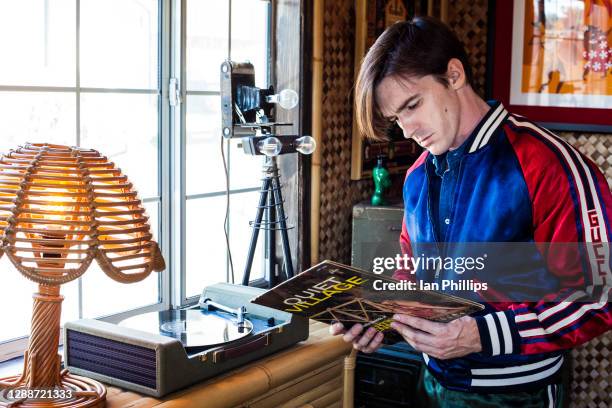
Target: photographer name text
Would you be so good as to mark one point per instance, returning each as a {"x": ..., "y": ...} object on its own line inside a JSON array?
[{"x": 445, "y": 284}]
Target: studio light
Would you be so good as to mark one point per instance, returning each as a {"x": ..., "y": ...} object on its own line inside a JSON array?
[
  {"x": 305, "y": 145},
  {"x": 270, "y": 146},
  {"x": 287, "y": 99}
]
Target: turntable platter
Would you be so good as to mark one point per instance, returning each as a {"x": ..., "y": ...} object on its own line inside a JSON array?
[{"x": 194, "y": 328}]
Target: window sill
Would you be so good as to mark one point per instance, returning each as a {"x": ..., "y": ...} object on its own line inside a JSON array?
[{"x": 11, "y": 367}]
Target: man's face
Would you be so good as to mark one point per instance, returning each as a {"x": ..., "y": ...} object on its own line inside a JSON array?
[{"x": 424, "y": 109}]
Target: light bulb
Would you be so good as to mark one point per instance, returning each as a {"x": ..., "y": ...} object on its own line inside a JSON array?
[
  {"x": 305, "y": 145},
  {"x": 270, "y": 146},
  {"x": 287, "y": 99}
]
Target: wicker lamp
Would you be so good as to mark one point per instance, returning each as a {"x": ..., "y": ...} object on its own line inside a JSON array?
[{"x": 60, "y": 208}]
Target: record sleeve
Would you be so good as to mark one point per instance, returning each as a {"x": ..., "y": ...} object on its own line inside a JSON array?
[{"x": 333, "y": 292}]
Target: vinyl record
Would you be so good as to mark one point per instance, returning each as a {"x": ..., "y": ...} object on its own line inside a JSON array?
[{"x": 194, "y": 328}]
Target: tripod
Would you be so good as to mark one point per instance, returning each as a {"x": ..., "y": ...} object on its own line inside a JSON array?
[{"x": 270, "y": 217}]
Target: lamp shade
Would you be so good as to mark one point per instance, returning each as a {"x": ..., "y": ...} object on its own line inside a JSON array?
[{"x": 60, "y": 209}]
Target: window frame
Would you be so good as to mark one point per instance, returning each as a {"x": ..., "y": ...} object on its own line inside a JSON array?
[
  {"x": 172, "y": 197},
  {"x": 179, "y": 176},
  {"x": 12, "y": 348}
]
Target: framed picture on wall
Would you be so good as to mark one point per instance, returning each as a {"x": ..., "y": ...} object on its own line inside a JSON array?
[
  {"x": 552, "y": 61},
  {"x": 372, "y": 17}
]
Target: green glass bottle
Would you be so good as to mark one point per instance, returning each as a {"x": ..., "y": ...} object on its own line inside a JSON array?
[{"x": 382, "y": 181}]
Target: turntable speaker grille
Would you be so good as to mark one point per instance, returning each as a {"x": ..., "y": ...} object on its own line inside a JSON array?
[{"x": 122, "y": 361}]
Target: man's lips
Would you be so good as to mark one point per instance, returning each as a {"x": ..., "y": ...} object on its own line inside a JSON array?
[{"x": 421, "y": 141}]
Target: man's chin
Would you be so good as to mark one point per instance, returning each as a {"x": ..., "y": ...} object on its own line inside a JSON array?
[{"x": 436, "y": 150}]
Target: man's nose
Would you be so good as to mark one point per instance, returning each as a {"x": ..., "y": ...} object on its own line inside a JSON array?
[{"x": 409, "y": 129}]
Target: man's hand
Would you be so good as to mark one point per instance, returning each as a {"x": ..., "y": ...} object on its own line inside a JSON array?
[
  {"x": 368, "y": 342},
  {"x": 440, "y": 340}
]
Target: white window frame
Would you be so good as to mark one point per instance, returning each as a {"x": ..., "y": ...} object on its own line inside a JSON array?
[
  {"x": 178, "y": 113},
  {"x": 171, "y": 152},
  {"x": 15, "y": 347}
]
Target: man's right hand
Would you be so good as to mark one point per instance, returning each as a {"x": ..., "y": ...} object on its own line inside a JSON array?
[{"x": 367, "y": 342}]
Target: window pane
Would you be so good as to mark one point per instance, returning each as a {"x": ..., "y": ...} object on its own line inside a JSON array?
[
  {"x": 119, "y": 43},
  {"x": 245, "y": 169},
  {"x": 207, "y": 24},
  {"x": 38, "y": 42},
  {"x": 103, "y": 296},
  {"x": 204, "y": 162},
  {"x": 124, "y": 128},
  {"x": 205, "y": 243},
  {"x": 152, "y": 210},
  {"x": 15, "y": 294},
  {"x": 70, "y": 305},
  {"x": 250, "y": 36},
  {"x": 243, "y": 209},
  {"x": 37, "y": 117}
]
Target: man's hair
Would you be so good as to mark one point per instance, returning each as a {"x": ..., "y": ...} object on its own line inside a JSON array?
[{"x": 416, "y": 48}]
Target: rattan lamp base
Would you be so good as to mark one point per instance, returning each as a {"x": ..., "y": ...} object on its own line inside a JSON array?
[{"x": 85, "y": 393}]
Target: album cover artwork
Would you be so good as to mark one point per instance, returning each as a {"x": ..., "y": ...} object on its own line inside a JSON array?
[{"x": 333, "y": 292}]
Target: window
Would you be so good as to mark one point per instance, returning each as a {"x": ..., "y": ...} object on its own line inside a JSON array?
[
  {"x": 69, "y": 79},
  {"x": 206, "y": 27}
]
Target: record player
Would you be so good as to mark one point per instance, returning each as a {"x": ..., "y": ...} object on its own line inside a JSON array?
[{"x": 160, "y": 352}]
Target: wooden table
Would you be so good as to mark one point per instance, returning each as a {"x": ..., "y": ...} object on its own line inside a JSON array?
[{"x": 308, "y": 374}]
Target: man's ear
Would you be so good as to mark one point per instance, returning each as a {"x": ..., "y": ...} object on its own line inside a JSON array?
[{"x": 455, "y": 74}]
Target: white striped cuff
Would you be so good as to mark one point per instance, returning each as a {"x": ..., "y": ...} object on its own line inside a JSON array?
[{"x": 498, "y": 333}]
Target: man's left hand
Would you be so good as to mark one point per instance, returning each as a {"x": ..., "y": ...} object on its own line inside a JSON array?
[{"x": 440, "y": 340}]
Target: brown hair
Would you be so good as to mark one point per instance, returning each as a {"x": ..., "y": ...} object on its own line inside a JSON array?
[{"x": 416, "y": 48}]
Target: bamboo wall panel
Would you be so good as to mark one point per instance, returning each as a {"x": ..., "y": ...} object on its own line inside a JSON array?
[
  {"x": 469, "y": 20},
  {"x": 596, "y": 146},
  {"x": 338, "y": 192}
]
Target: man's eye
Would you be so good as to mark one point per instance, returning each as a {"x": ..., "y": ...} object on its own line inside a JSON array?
[{"x": 414, "y": 105}]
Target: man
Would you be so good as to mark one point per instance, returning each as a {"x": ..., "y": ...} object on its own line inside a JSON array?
[{"x": 487, "y": 176}]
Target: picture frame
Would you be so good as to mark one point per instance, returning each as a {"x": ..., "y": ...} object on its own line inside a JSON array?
[
  {"x": 371, "y": 19},
  {"x": 545, "y": 62}
]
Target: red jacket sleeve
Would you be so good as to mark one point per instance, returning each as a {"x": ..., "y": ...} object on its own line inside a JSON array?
[
  {"x": 404, "y": 240},
  {"x": 571, "y": 203}
]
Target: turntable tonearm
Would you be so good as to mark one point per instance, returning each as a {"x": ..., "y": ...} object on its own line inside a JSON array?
[{"x": 177, "y": 348}]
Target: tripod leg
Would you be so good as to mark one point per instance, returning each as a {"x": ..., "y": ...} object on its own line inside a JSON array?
[
  {"x": 271, "y": 241},
  {"x": 280, "y": 214},
  {"x": 263, "y": 196}
]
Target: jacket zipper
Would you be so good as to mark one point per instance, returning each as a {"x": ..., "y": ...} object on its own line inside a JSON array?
[
  {"x": 452, "y": 212},
  {"x": 455, "y": 197},
  {"x": 454, "y": 203}
]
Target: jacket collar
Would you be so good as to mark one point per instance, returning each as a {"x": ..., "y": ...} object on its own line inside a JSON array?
[
  {"x": 487, "y": 126},
  {"x": 451, "y": 158}
]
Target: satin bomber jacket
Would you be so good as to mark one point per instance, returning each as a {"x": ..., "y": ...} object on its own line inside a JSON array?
[{"x": 539, "y": 212}]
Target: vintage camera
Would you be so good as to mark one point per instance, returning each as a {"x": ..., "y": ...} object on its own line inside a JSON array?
[{"x": 248, "y": 112}]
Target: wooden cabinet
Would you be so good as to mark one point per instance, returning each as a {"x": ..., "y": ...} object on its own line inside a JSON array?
[
  {"x": 307, "y": 373},
  {"x": 376, "y": 232}
]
